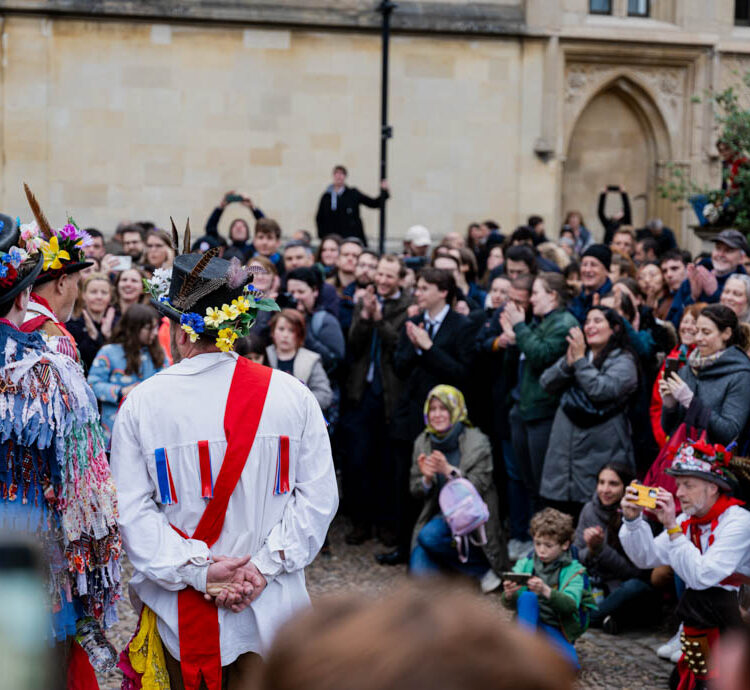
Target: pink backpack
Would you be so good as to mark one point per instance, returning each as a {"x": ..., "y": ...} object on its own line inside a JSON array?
[{"x": 465, "y": 512}]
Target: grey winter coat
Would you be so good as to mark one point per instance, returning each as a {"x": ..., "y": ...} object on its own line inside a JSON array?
[
  {"x": 575, "y": 455},
  {"x": 722, "y": 388},
  {"x": 475, "y": 465},
  {"x": 308, "y": 368}
]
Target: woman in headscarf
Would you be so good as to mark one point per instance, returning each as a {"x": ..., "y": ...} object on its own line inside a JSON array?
[{"x": 449, "y": 447}]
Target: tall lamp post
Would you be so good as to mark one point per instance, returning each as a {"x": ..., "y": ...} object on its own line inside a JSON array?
[{"x": 385, "y": 8}]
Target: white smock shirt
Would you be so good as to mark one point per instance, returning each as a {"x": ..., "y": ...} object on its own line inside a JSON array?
[
  {"x": 173, "y": 411},
  {"x": 728, "y": 554}
]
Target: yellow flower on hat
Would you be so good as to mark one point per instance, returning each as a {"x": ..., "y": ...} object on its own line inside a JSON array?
[
  {"x": 214, "y": 317},
  {"x": 52, "y": 254},
  {"x": 188, "y": 329},
  {"x": 241, "y": 304},
  {"x": 230, "y": 312},
  {"x": 226, "y": 339}
]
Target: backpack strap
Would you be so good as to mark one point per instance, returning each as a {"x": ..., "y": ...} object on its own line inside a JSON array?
[
  {"x": 462, "y": 546},
  {"x": 571, "y": 578}
]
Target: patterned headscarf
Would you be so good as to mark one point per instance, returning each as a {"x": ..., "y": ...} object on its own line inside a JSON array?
[{"x": 453, "y": 399}]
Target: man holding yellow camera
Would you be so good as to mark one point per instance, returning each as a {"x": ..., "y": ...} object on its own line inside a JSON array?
[{"x": 707, "y": 546}]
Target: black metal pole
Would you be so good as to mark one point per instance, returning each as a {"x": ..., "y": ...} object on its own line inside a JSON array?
[{"x": 386, "y": 132}]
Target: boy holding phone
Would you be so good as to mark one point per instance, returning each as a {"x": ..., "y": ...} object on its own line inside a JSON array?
[{"x": 550, "y": 600}]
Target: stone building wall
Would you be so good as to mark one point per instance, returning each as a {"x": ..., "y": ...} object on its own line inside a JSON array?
[{"x": 129, "y": 109}]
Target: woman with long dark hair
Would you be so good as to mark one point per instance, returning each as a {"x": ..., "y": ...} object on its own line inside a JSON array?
[
  {"x": 597, "y": 377},
  {"x": 627, "y": 593},
  {"x": 133, "y": 356},
  {"x": 714, "y": 382}
]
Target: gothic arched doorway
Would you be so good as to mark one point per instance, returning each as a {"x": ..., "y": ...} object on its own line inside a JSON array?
[{"x": 618, "y": 139}]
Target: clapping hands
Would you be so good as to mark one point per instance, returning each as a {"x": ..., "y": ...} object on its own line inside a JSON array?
[
  {"x": 594, "y": 538},
  {"x": 701, "y": 280},
  {"x": 433, "y": 464},
  {"x": 418, "y": 336},
  {"x": 576, "y": 346}
]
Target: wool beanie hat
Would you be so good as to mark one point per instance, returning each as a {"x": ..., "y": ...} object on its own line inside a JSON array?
[{"x": 601, "y": 253}]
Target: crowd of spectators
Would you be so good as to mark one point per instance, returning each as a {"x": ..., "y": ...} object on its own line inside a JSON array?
[{"x": 549, "y": 372}]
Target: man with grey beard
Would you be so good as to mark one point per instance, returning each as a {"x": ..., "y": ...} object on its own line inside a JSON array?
[{"x": 707, "y": 546}]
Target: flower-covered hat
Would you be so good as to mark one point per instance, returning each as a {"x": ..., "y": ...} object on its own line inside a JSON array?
[
  {"x": 18, "y": 267},
  {"x": 62, "y": 250},
  {"x": 208, "y": 296},
  {"x": 706, "y": 461}
]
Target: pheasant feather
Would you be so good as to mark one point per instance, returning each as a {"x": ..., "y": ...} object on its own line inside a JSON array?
[
  {"x": 192, "y": 278},
  {"x": 186, "y": 239},
  {"x": 175, "y": 238},
  {"x": 41, "y": 220}
]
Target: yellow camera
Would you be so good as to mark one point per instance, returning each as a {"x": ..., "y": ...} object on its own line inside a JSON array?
[{"x": 646, "y": 496}]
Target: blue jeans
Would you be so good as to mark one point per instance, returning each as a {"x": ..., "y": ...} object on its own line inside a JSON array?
[
  {"x": 528, "y": 616},
  {"x": 519, "y": 505},
  {"x": 435, "y": 552}
]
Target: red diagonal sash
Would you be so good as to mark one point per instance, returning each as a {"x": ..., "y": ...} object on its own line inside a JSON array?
[{"x": 198, "y": 619}]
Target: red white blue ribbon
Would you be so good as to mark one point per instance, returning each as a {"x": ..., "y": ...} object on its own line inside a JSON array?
[
  {"x": 281, "y": 485},
  {"x": 164, "y": 477},
  {"x": 207, "y": 480}
]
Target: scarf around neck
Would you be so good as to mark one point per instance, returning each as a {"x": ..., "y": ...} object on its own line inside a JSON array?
[
  {"x": 691, "y": 526},
  {"x": 549, "y": 573},
  {"x": 697, "y": 362}
]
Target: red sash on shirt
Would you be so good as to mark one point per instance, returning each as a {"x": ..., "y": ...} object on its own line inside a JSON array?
[{"x": 198, "y": 619}]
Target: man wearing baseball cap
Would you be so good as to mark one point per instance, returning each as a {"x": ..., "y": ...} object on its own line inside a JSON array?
[
  {"x": 417, "y": 241},
  {"x": 705, "y": 282},
  {"x": 707, "y": 546},
  {"x": 595, "y": 263}
]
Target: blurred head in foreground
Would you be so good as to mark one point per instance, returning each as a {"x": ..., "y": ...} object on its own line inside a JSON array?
[{"x": 423, "y": 639}]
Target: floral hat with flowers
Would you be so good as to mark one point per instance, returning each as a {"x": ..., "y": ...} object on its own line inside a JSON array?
[
  {"x": 19, "y": 267},
  {"x": 209, "y": 297},
  {"x": 62, "y": 250},
  {"x": 706, "y": 461}
]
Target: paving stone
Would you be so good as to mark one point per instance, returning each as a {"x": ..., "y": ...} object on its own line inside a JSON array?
[{"x": 626, "y": 661}]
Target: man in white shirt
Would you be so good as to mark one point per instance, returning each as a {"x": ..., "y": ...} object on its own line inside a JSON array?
[
  {"x": 226, "y": 483},
  {"x": 707, "y": 546}
]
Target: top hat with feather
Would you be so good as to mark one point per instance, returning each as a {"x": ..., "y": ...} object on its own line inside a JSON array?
[
  {"x": 62, "y": 249},
  {"x": 208, "y": 296}
]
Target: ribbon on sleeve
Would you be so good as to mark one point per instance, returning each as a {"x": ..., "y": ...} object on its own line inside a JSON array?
[
  {"x": 207, "y": 480},
  {"x": 164, "y": 477},
  {"x": 281, "y": 485}
]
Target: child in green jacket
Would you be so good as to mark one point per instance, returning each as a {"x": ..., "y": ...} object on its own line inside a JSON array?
[{"x": 550, "y": 600}]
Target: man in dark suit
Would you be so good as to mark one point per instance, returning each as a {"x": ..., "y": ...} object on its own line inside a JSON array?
[
  {"x": 434, "y": 347},
  {"x": 373, "y": 389},
  {"x": 338, "y": 210}
]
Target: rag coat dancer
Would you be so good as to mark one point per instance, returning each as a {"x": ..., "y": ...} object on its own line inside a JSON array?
[
  {"x": 226, "y": 487},
  {"x": 55, "y": 485}
]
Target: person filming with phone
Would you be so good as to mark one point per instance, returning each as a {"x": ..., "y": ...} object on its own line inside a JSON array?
[
  {"x": 713, "y": 384},
  {"x": 707, "y": 546}
]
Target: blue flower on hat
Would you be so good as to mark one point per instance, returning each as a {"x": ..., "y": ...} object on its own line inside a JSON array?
[{"x": 195, "y": 321}]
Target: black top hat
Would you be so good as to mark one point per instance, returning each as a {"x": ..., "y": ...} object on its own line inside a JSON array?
[
  {"x": 27, "y": 271},
  {"x": 195, "y": 288}
]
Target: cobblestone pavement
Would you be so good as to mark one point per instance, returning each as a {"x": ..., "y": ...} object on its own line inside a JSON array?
[{"x": 625, "y": 661}]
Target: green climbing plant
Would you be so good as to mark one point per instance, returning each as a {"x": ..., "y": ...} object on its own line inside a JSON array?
[{"x": 734, "y": 124}]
